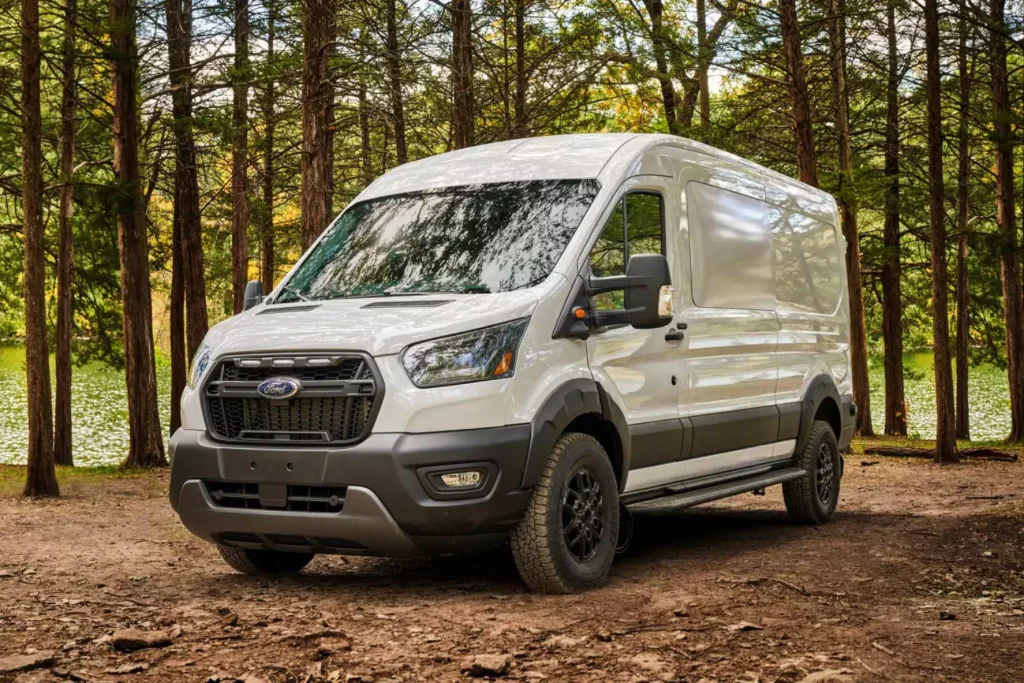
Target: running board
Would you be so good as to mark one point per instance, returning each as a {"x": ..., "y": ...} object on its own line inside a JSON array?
[{"x": 679, "y": 501}]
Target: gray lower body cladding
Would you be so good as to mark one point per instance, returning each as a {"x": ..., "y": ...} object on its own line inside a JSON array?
[{"x": 388, "y": 505}]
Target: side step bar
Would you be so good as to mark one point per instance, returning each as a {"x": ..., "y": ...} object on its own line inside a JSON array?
[{"x": 717, "y": 491}]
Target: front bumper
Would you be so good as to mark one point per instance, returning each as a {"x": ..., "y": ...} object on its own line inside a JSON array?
[{"x": 389, "y": 507}]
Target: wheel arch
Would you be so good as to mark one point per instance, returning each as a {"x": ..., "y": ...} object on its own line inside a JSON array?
[
  {"x": 821, "y": 401},
  {"x": 580, "y": 405}
]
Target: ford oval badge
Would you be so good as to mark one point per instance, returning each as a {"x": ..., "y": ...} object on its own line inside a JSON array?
[{"x": 279, "y": 387}]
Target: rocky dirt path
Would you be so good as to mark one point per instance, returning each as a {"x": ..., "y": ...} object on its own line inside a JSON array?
[{"x": 920, "y": 577}]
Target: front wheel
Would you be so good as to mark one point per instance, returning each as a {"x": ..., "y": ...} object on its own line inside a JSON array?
[
  {"x": 566, "y": 541},
  {"x": 812, "y": 498}
]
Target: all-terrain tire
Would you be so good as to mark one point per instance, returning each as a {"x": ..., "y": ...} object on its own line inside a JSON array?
[
  {"x": 542, "y": 554},
  {"x": 812, "y": 498},
  {"x": 264, "y": 562}
]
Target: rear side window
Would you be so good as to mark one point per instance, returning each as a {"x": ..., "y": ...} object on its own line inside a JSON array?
[
  {"x": 636, "y": 226},
  {"x": 807, "y": 266},
  {"x": 730, "y": 249}
]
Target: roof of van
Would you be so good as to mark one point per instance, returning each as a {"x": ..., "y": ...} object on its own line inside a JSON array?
[{"x": 585, "y": 155}]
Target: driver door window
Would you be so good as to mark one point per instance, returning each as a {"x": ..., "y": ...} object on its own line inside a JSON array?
[{"x": 636, "y": 226}]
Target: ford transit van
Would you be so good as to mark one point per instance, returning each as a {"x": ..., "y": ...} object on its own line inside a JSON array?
[{"x": 522, "y": 342}]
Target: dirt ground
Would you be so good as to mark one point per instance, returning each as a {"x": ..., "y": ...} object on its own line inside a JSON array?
[{"x": 920, "y": 577}]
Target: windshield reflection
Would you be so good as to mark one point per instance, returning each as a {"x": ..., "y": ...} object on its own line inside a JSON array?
[{"x": 493, "y": 237}]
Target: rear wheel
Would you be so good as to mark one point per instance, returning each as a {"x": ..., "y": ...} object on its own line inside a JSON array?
[
  {"x": 566, "y": 540},
  {"x": 264, "y": 562},
  {"x": 812, "y": 498}
]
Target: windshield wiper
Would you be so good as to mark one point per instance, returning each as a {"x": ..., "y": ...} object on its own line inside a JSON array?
[{"x": 285, "y": 289}]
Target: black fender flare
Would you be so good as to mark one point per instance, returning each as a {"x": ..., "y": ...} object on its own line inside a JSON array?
[
  {"x": 820, "y": 388},
  {"x": 566, "y": 403}
]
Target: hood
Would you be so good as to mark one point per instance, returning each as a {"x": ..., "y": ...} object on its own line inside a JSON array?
[{"x": 379, "y": 326}]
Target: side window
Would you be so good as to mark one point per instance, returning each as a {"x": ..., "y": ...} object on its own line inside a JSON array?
[{"x": 636, "y": 226}]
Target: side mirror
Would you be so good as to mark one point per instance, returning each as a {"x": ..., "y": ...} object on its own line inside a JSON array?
[
  {"x": 646, "y": 275},
  {"x": 254, "y": 294}
]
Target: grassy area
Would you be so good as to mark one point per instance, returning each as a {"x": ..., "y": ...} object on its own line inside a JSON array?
[{"x": 12, "y": 477}]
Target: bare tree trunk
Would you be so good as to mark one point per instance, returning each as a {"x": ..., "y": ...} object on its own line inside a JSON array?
[
  {"x": 848, "y": 213},
  {"x": 62, "y": 454},
  {"x": 1005, "y": 191},
  {"x": 146, "y": 447},
  {"x": 186, "y": 179},
  {"x": 267, "y": 233},
  {"x": 521, "y": 129},
  {"x": 963, "y": 321},
  {"x": 945, "y": 432},
  {"x": 703, "y": 63},
  {"x": 462, "y": 72},
  {"x": 365, "y": 162},
  {"x": 892, "y": 296},
  {"x": 317, "y": 96},
  {"x": 240, "y": 158},
  {"x": 669, "y": 100},
  {"x": 41, "y": 479},
  {"x": 177, "y": 323},
  {"x": 395, "y": 74},
  {"x": 806, "y": 158}
]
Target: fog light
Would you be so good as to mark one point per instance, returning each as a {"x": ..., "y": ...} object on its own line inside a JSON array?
[{"x": 462, "y": 480}]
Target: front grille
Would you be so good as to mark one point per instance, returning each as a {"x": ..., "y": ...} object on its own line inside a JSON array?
[
  {"x": 322, "y": 499},
  {"x": 316, "y": 543},
  {"x": 336, "y": 403}
]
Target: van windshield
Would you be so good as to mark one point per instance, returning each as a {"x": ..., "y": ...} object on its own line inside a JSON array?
[{"x": 493, "y": 237}]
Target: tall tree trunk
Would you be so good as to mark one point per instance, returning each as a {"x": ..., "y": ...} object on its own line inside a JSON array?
[
  {"x": 963, "y": 321},
  {"x": 365, "y": 162},
  {"x": 270, "y": 121},
  {"x": 395, "y": 85},
  {"x": 521, "y": 127},
  {"x": 848, "y": 212},
  {"x": 669, "y": 100},
  {"x": 703, "y": 63},
  {"x": 892, "y": 296},
  {"x": 462, "y": 72},
  {"x": 186, "y": 181},
  {"x": 146, "y": 447},
  {"x": 62, "y": 454},
  {"x": 317, "y": 95},
  {"x": 177, "y": 322},
  {"x": 240, "y": 158},
  {"x": 1010, "y": 258},
  {"x": 41, "y": 479},
  {"x": 945, "y": 432},
  {"x": 806, "y": 158}
]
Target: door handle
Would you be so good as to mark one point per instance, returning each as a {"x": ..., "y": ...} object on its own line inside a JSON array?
[{"x": 674, "y": 335}]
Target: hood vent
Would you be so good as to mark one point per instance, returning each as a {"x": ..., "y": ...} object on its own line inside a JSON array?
[
  {"x": 411, "y": 303},
  {"x": 288, "y": 309}
]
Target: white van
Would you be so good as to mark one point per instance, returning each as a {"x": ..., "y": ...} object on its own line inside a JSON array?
[{"x": 522, "y": 341}]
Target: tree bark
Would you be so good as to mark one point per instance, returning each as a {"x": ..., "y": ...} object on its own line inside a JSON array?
[
  {"x": 945, "y": 432},
  {"x": 963, "y": 323},
  {"x": 270, "y": 121},
  {"x": 462, "y": 73},
  {"x": 521, "y": 128},
  {"x": 848, "y": 213},
  {"x": 365, "y": 157},
  {"x": 806, "y": 158},
  {"x": 1013, "y": 309},
  {"x": 669, "y": 99},
  {"x": 395, "y": 85},
  {"x": 146, "y": 445},
  {"x": 186, "y": 179},
  {"x": 703, "y": 63},
  {"x": 317, "y": 96},
  {"x": 62, "y": 454},
  {"x": 892, "y": 296},
  {"x": 179, "y": 361},
  {"x": 41, "y": 479},
  {"x": 240, "y": 158}
]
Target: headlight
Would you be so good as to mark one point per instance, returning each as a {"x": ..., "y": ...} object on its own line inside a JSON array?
[
  {"x": 199, "y": 365},
  {"x": 489, "y": 353}
]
